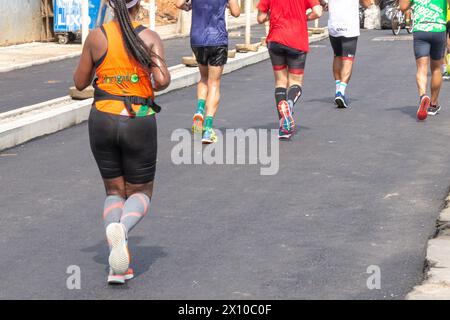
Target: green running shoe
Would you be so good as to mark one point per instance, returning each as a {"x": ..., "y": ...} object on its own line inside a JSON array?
[{"x": 209, "y": 136}]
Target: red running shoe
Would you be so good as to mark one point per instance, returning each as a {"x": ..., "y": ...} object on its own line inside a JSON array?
[
  {"x": 287, "y": 122},
  {"x": 422, "y": 113}
]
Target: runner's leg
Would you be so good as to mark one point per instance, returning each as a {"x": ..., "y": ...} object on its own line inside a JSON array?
[
  {"x": 422, "y": 80},
  {"x": 279, "y": 66},
  {"x": 137, "y": 205},
  {"x": 213, "y": 98},
  {"x": 112, "y": 210},
  {"x": 349, "y": 46},
  {"x": 216, "y": 59},
  {"x": 296, "y": 66},
  {"x": 437, "y": 52},
  {"x": 202, "y": 89},
  {"x": 201, "y": 55},
  {"x": 337, "y": 67},
  {"x": 202, "y": 94},
  {"x": 137, "y": 140},
  {"x": 336, "y": 45},
  {"x": 422, "y": 50},
  {"x": 422, "y": 75},
  {"x": 436, "y": 81}
]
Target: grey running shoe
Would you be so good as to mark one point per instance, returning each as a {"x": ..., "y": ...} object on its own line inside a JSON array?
[{"x": 434, "y": 110}]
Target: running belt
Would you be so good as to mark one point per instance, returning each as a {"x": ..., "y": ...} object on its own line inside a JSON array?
[{"x": 102, "y": 95}]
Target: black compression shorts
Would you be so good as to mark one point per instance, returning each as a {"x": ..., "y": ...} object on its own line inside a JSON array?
[
  {"x": 124, "y": 146},
  {"x": 430, "y": 44},
  {"x": 215, "y": 56},
  {"x": 344, "y": 47},
  {"x": 283, "y": 57}
]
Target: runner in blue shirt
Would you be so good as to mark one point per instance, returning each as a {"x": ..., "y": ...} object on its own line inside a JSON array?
[{"x": 209, "y": 42}]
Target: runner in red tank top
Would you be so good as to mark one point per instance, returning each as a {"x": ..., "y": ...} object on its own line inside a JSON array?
[{"x": 288, "y": 44}]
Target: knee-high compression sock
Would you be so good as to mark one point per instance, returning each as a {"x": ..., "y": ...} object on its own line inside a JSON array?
[
  {"x": 209, "y": 120},
  {"x": 293, "y": 94},
  {"x": 113, "y": 209},
  {"x": 134, "y": 209},
  {"x": 201, "y": 106},
  {"x": 280, "y": 95}
]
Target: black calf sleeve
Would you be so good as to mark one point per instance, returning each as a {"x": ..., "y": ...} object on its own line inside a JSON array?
[{"x": 294, "y": 93}]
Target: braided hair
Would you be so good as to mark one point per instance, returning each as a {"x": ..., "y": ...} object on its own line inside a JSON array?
[{"x": 133, "y": 43}]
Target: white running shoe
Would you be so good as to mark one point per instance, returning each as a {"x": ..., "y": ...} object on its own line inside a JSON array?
[{"x": 119, "y": 258}]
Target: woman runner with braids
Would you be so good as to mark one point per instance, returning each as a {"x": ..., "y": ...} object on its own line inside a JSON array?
[{"x": 129, "y": 62}]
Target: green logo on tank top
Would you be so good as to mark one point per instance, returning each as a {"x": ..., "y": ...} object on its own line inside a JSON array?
[
  {"x": 119, "y": 79},
  {"x": 134, "y": 78}
]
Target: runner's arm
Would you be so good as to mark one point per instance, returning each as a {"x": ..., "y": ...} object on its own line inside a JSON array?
[
  {"x": 84, "y": 74},
  {"x": 235, "y": 10},
  {"x": 263, "y": 17},
  {"x": 316, "y": 12},
  {"x": 404, "y": 5},
  {"x": 263, "y": 11},
  {"x": 184, "y": 5}
]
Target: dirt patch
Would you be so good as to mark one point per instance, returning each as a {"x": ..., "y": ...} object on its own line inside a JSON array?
[{"x": 166, "y": 12}]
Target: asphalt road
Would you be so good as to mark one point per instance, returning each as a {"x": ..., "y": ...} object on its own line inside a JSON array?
[
  {"x": 355, "y": 188},
  {"x": 40, "y": 83}
]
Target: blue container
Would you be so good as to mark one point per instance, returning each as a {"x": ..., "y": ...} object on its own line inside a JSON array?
[{"x": 67, "y": 21}]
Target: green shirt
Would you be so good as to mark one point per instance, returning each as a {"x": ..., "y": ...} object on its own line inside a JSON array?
[{"x": 430, "y": 15}]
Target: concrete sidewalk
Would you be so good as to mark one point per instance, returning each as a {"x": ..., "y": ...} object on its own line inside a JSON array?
[
  {"x": 436, "y": 283},
  {"x": 36, "y": 53}
]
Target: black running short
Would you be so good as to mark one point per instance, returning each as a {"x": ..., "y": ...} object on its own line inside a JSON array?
[
  {"x": 344, "y": 47},
  {"x": 448, "y": 28},
  {"x": 283, "y": 57},
  {"x": 124, "y": 146},
  {"x": 430, "y": 44},
  {"x": 215, "y": 56}
]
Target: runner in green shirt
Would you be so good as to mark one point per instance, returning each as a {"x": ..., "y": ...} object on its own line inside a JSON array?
[{"x": 430, "y": 19}]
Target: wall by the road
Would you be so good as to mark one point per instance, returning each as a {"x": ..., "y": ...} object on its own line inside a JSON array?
[{"x": 20, "y": 21}]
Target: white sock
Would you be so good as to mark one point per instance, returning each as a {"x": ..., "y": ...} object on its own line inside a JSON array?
[
  {"x": 342, "y": 88},
  {"x": 338, "y": 85}
]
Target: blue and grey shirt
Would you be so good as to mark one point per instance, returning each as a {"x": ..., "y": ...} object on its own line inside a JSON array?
[{"x": 208, "y": 23}]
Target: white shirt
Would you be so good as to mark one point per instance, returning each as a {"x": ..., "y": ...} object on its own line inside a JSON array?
[{"x": 343, "y": 18}]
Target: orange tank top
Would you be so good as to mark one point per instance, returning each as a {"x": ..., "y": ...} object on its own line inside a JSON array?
[{"x": 120, "y": 74}]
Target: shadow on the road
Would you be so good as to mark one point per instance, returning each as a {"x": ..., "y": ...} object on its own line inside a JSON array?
[
  {"x": 143, "y": 256},
  {"x": 274, "y": 126},
  {"x": 329, "y": 101},
  {"x": 409, "y": 110}
]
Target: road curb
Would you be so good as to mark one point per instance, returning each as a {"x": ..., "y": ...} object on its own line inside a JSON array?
[
  {"x": 24, "y": 124},
  {"x": 436, "y": 283},
  {"x": 39, "y": 62}
]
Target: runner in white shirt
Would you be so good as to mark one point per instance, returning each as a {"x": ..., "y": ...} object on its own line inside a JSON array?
[{"x": 343, "y": 26}]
